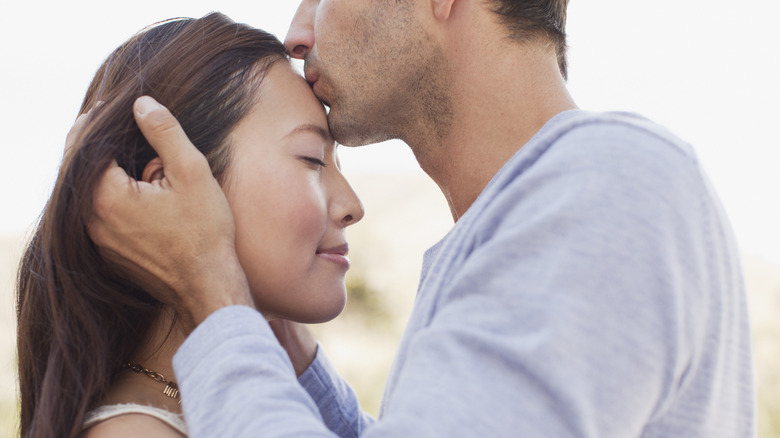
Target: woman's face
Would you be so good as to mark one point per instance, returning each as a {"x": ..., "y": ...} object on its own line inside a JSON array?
[{"x": 290, "y": 202}]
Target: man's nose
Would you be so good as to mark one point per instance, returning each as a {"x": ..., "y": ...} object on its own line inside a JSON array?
[{"x": 300, "y": 36}]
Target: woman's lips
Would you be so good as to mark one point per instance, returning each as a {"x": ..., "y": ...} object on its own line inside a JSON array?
[{"x": 336, "y": 254}]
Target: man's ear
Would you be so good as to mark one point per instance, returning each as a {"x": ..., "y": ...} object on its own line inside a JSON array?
[
  {"x": 442, "y": 8},
  {"x": 153, "y": 170}
]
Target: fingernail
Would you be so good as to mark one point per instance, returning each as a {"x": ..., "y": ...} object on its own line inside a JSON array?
[{"x": 145, "y": 105}]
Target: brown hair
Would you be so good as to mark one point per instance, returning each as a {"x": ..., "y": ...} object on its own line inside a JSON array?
[
  {"x": 532, "y": 18},
  {"x": 78, "y": 318}
]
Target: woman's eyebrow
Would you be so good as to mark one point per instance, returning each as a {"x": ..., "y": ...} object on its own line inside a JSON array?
[{"x": 311, "y": 127}]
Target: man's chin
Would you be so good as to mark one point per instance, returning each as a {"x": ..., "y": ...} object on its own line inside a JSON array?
[
  {"x": 316, "y": 88},
  {"x": 344, "y": 133},
  {"x": 352, "y": 134}
]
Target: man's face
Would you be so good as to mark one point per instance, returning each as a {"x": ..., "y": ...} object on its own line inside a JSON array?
[{"x": 369, "y": 61}]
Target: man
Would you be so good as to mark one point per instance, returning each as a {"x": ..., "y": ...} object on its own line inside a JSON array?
[{"x": 590, "y": 286}]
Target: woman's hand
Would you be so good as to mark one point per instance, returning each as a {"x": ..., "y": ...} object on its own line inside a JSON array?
[{"x": 173, "y": 234}]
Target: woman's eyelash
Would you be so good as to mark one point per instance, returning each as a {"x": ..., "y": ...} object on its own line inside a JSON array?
[{"x": 315, "y": 161}]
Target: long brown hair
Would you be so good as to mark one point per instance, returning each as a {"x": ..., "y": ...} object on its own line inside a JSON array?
[{"x": 78, "y": 318}]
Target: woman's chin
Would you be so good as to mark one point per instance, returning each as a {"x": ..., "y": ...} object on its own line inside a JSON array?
[
  {"x": 314, "y": 311},
  {"x": 324, "y": 313}
]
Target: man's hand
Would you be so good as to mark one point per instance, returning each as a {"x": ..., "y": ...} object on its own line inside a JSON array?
[{"x": 172, "y": 233}]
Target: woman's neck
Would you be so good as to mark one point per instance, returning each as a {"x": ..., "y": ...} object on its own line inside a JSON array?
[{"x": 155, "y": 354}]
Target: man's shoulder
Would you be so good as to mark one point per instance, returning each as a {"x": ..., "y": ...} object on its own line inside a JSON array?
[
  {"x": 610, "y": 136},
  {"x": 588, "y": 160},
  {"x": 611, "y": 145}
]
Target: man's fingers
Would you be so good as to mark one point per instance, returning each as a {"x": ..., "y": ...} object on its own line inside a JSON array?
[
  {"x": 180, "y": 157},
  {"x": 76, "y": 130},
  {"x": 114, "y": 186},
  {"x": 74, "y": 133}
]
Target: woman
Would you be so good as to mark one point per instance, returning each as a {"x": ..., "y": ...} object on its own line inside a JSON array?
[{"x": 94, "y": 348}]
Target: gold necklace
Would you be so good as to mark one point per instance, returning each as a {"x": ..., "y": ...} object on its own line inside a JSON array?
[{"x": 171, "y": 388}]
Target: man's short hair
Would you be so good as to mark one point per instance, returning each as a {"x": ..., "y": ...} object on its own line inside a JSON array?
[{"x": 528, "y": 19}]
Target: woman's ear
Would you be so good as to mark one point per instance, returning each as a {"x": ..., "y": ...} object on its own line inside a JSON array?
[{"x": 153, "y": 170}]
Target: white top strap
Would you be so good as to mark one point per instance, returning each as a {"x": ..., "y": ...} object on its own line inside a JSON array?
[{"x": 104, "y": 413}]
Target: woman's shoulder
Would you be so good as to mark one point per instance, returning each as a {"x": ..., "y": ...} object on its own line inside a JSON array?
[{"x": 132, "y": 420}]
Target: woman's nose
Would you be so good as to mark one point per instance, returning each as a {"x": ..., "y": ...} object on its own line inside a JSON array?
[
  {"x": 300, "y": 36},
  {"x": 348, "y": 209}
]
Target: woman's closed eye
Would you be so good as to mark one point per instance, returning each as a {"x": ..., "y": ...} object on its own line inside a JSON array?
[{"x": 313, "y": 161}]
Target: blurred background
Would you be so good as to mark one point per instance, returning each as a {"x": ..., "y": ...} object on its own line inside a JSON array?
[{"x": 706, "y": 69}]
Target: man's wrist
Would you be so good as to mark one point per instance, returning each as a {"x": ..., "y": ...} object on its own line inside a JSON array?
[{"x": 230, "y": 288}]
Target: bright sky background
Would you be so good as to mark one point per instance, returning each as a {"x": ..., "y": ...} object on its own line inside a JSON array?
[{"x": 706, "y": 69}]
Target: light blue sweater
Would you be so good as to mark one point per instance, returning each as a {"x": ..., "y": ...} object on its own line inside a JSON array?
[{"x": 592, "y": 290}]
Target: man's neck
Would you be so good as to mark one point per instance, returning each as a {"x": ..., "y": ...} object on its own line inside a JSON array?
[{"x": 499, "y": 102}]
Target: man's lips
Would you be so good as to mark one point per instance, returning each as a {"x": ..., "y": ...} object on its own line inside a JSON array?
[
  {"x": 336, "y": 254},
  {"x": 311, "y": 77}
]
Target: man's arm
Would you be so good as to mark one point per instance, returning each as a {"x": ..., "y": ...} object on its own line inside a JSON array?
[
  {"x": 236, "y": 380},
  {"x": 578, "y": 314},
  {"x": 337, "y": 402}
]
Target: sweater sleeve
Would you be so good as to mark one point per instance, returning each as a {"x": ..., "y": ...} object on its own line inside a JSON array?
[
  {"x": 237, "y": 381},
  {"x": 335, "y": 399}
]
